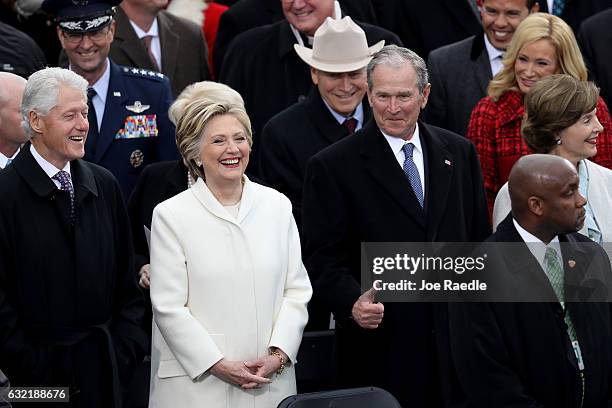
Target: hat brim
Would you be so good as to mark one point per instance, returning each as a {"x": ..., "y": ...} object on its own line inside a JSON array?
[{"x": 337, "y": 66}]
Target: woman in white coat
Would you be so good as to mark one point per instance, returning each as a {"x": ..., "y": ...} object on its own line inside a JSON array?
[
  {"x": 560, "y": 118},
  {"x": 228, "y": 287}
]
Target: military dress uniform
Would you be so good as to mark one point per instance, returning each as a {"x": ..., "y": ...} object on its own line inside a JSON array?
[{"x": 135, "y": 129}]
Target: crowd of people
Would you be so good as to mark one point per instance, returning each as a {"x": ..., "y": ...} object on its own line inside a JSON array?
[{"x": 165, "y": 239}]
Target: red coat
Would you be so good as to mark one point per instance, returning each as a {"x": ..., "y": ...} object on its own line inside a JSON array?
[{"x": 495, "y": 129}]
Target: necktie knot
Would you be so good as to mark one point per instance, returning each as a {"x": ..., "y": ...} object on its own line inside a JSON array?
[
  {"x": 91, "y": 93},
  {"x": 408, "y": 148},
  {"x": 350, "y": 124}
]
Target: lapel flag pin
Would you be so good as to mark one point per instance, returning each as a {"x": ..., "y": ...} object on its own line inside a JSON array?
[
  {"x": 116, "y": 93},
  {"x": 571, "y": 263},
  {"x": 447, "y": 162}
]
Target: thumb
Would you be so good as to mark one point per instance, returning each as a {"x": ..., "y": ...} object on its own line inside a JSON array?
[{"x": 369, "y": 296}]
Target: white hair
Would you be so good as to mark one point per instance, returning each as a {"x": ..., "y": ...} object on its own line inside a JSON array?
[{"x": 42, "y": 91}]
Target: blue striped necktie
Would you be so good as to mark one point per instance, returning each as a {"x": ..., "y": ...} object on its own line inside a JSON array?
[{"x": 412, "y": 172}]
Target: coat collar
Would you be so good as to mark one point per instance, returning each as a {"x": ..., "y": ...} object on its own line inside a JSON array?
[
  {"x": 27, "y": 167},
  {"x": 208, "y": 200},
  {"x": 324, "y": 121},
  {"x": 382, "y": 165},
  {"x": 480, "y": 57}
]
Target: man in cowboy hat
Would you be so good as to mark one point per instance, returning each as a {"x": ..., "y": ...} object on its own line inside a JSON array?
[
  {"x": 128, "y": 107},
  {"x": 395, "y": 180},
  {"x": 332, "y": 110},
  {"x": 262, "y": 66}
]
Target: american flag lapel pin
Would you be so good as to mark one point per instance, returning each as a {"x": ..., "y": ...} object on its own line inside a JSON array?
[{"x": 447, "y": 162}]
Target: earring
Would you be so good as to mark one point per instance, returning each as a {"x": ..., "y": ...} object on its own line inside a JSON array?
[
  {"x": 198, "y": 163},
  {"x": 558, "y": 141}
]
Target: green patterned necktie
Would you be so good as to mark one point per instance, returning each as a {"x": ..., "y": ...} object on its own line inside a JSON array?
[{"x": 555, "y": 275}]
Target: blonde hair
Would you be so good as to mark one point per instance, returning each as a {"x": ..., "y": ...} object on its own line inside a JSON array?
[
  {"x": 213, "y": 91},
  {"x": 191, "y": 124},
  {"x": 552, "y": 105},
  {"x": 535, "y": 27}
]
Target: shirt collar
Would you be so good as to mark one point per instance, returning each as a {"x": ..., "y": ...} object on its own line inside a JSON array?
[
  {"x": 47, "y": 167},
  {"x": 4, "y": 159},
  {"x": 535, "y": 245},
  {"x": 491, "y": 50},
  {"x": 397, "y": 143},
  {"x": 358, "y": 114},
  {"x": 101, "y": 85},
  {"x": 153, "y": 31}
]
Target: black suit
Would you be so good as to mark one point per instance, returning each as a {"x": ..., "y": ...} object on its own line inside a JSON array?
[
  {"x": 264, "y": 68},
  {"x": 595, "y": 38},
  {"x": 355, "y": 191},
  {"x": 575, "y": 11},
  {"x": 291, "y": 138},
  {"x": 247, "y": 14},
  {"x": 426, "y": 25},
  {"x": 519, "y": 354}
]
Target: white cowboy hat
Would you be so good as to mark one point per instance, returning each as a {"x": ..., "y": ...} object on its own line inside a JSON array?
[{"x": 338, "y": 46}]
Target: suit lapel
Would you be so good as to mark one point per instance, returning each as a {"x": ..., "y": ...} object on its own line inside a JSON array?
[
  {"x": 114, "y": 112},
  {"x": 480, "y": 56},
  {"x": 169, "y": 42},
  {"x": 438, "y": 175},
  {"x": 382, "y": 165},
  {"x": 129, "y": 42}
]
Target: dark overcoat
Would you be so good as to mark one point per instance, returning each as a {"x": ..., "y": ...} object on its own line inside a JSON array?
[
  {"x": 291, "y": 138},
  {"x": 70, "y": 307},
  {"x": 355, "y": 191},
  {"x": 519, "y": 354},
  {"x": 262, "y": 65},
  {"x": 595, "y": 38}
]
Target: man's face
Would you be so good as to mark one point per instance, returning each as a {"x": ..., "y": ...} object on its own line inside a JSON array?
[
  {"x": 395, "y": 99},
  {"x": 62, "y": 133},
  {"x": 500, "y": 18},
  {"x": 87, "y": 52},
  {"x": 563, "y": 205},
  {"x": 10, "y": 113},
  {"x": 307, "y": 15},
  {"x": 344, "y": 91}
]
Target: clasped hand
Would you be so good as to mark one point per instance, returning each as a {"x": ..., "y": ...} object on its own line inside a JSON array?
[
  {"x": 247, "y": 374},
  {"x": 366, "y": 312}
]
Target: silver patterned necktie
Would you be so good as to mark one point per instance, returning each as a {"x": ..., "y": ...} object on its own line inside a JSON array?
[
  {"x": 556, "y": 276},
  {"x": 66, "y": 185},
  {"x": 412, "y": 172},
  {"x": 558, "y": 6}
]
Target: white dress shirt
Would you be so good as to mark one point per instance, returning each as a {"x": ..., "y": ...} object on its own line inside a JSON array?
[
  {"x": 4, "y": 160},
  {"x": 495, "y": 56},
  {"x": 48, "y": 168},
  {"x": 155, "y": 44},
  {"x": 397, "y": 144},
  {"x": 536, "y": 246}
]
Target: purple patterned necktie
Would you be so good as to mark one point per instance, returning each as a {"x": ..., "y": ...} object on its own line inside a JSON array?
[{"x": 66, "y": 185}]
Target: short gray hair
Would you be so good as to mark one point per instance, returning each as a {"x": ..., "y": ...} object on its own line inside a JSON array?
[
  {"x": 42, "y": 91},
  {"x": 394, "y": 57}
]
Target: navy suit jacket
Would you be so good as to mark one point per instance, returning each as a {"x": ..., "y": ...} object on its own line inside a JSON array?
[{"x": 126, "y": 156}]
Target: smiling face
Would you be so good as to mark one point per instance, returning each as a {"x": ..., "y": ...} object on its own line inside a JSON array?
[
  {"x": 579, "y": 141},
  {"x": 88, "y": 52},
  {"x": 224, "y": 150},
  {"x": 343, "y": 91},
  {"x": 535, "y": 60},
  {"x": 307, "y": 15},
  {"x": 500, "y": 18},
  {"x": 60, "y": 135},
  {"x": 395, "y": 99}
]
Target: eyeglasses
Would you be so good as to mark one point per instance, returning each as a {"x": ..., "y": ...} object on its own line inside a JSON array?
[{"x": 75, "y": 38}]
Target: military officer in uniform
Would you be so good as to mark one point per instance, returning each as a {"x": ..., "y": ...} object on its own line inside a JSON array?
[{"x": 128, "y": 107}]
